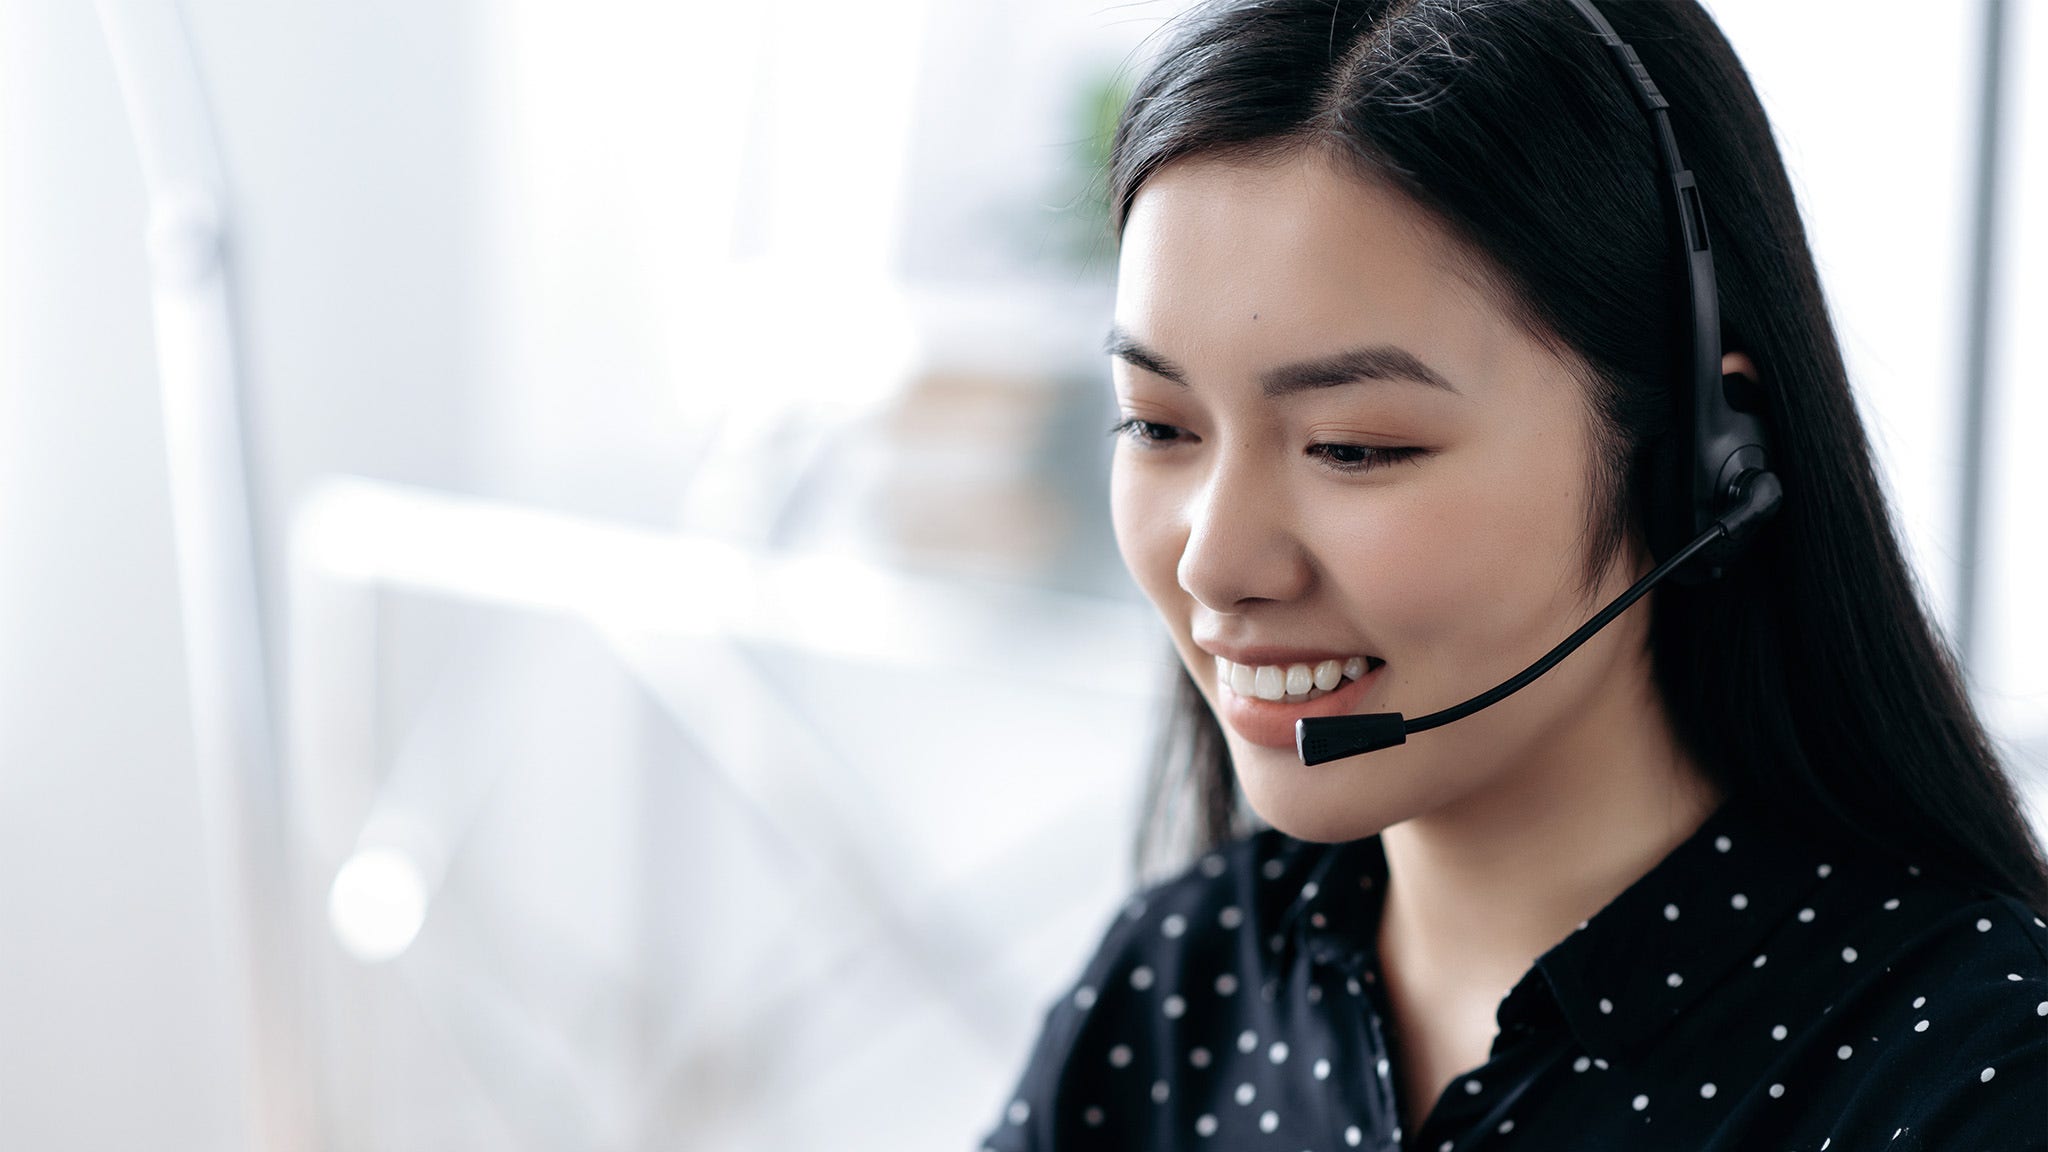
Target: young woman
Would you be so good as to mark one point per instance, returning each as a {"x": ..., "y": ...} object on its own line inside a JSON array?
[{"x": 1399, "y": 338}]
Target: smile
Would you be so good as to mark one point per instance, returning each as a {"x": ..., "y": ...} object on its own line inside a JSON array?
[
  {"x": 1269, "y": 722},
  {"x": 1293, "y": 683}
]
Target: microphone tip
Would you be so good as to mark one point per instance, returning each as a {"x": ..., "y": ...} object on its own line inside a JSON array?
[{"x": 1319, "y": 739}]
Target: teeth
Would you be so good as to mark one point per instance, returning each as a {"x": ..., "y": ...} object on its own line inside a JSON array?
[
  {"x": 1241, "y": 679},
  {"x": 1293, "y": 683},
  {"x": 1267, "y": 683}
]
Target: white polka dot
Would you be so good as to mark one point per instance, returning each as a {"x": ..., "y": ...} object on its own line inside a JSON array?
[
  {"x": 1472, "y": 1087},
  {"x": 1019, "y": 1111},
  {"x": 1919, "y": 1000},
  {"x": 1272, "y": 869},
  {"x": 1599, "y": 1063},
  {"x": 2041, "y": 1009},
  {"x": 1777, "y": 1031},
  {"x": 1842, "y": 1053},
  {"x": 1671, "y": 911},
  {"x": 1824, "y": 1143},
  {"x": 1581, "y": 1064},
  {"x": 1174, "y": 1007},
  {"x": 1315, "y": 993},
  {"x": 1849, "y": 954},
  {"x": 1226, "y": 984},
  {"x": 1739, "y": 900},
  {"x": 1806, "y": 915},
  {"x": 1983, "y": 925},
  {"x": 1507, "y": 1126},
  {"x": 1352, "y": 985},
  {"x": 1987, "y": 1074},
  {"x": 1199, "y": 1057},
  {"x": 1606, "y": 1006},
  {"x": 1084, "y": 997},
  {"x": 1891, "y": 903},
  {"x": 1640, "y": 1103},
  {"x": 1721, "y": 844},
  {"x": 2012, "y": 975},
  {"x": 1245, "y": 1092},
  {"x": 1777, "y": 1090},
  {"x": 1582, "y": 925},
  {"x": 1212, "y": 866},
  {"x": 1920, "y": 1027},
  {"x": 1120, "y": 1055},
  {"x": 1322, "y": 1069},
  {"x": 1093, "y": 1116},
  {"x": 1278, "y": 1052},
  {"x": 1230, "y": 917},
  {"x": 1912, "y": 869},
  {"x": 1758, "y": 962},
  {"x": 1205, "y": 1125},
  {"x": 1674, "y": 979},
  {"x": 1824, "y": 870},
  {"x": 1352, "y": 1135},
  {"x": 1446, "y": 1145},
  {"x": 1247, "y": 1040},
  {"x": 1135, "y": 908},
  {"x": 1381, "y": 1067},
  {"x": 1269, "y": 1121},
  {"x": 1309, "y": 890},
  {"x": 1173, "y": 925},
  {"x": 1160, "y": 1091},
  {"x": 1141, "y": 977},
  {"x": 1707, "y": 1090}
]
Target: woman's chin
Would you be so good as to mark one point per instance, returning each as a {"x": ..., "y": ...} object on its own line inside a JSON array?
[{"x": 1324, "y": 804}]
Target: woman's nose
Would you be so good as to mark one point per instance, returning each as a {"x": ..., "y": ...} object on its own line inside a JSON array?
[{"x": 1239, "y": 545}]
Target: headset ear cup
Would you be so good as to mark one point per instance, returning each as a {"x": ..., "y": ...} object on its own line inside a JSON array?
[{"x": 1742, "y": 393}]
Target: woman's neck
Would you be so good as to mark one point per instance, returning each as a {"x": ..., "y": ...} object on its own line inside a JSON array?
[{"x": 1478, "y": 890}]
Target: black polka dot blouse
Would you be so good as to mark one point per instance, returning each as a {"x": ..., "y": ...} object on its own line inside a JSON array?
[{"x": 1753, "y": 991}]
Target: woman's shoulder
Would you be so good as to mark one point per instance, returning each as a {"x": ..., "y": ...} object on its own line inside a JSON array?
[
  {"x": 1205, "y": 922},
  {"x": 1954, "y": 1015},
  {"x": 1239, "y": 891}
]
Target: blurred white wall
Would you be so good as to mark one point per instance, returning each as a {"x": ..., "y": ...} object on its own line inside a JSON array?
[{"x": 118, "y": 1031}]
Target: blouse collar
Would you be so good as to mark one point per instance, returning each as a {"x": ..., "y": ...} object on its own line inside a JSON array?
[{"x": 1641, "y": 962}]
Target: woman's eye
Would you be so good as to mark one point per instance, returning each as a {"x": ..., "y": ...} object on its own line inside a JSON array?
[
  {"x": 1360, "y": 458},
  {"x": 1143, "y": 431}
]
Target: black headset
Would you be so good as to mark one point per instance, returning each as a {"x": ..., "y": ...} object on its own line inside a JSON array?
[{"x": 1715, "y": 500}]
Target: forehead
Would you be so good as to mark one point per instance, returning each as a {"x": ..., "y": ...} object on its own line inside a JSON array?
[{"x": 1233, "y": 265}]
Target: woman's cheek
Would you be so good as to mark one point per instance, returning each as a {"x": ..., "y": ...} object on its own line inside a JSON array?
[
  {"x": 1141, "y": 517},
  {"x": 1407, "y": 565}
]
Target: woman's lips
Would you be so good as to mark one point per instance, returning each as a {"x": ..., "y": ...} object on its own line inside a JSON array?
[{"x": 1270, "y": 723}]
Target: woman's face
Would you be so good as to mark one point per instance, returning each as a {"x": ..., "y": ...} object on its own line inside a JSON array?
[{"x": 1295, "y": 494}]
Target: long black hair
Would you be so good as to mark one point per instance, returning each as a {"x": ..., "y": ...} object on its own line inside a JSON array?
[{"x": 1810, "y": 677}]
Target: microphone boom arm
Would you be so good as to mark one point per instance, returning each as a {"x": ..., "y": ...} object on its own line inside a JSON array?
[{"x": 1322, "y": 738}]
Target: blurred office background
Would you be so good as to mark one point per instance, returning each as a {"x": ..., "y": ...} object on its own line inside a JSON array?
[{"x": 649, "y": 668}]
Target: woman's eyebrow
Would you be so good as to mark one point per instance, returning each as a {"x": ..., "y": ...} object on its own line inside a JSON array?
[{"x": 1357, "y": 365}]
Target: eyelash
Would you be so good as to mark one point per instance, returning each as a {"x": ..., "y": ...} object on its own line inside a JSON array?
[{"x": 1377, "y": 458}]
